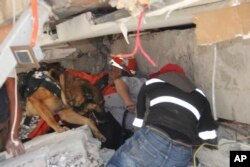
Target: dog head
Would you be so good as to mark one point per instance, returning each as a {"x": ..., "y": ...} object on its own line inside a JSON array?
[
  {"x": 84, "y": 97},
  {"x": 73, "y": 91}
]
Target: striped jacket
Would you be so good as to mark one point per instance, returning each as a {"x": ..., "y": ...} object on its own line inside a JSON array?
[{"x": 171, "y": 109}]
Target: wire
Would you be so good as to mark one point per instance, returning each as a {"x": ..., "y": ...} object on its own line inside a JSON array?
[
  {"x": 138, "y": 43},
  {"x": 213, "y": 82},
  {"x": 35, "y": 23},
  {"x": 15, "y": 115},
  {"x": 199, "y": 148},
  {"x": 214, "y": 145},
  {"x": 15, "y": 80}
]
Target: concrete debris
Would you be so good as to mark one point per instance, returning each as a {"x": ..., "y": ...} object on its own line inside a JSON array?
[
  {"x": 106, "y": 154},
  {"x": 26, "y": 129},
  {"x": 232, "y": 136},
  {"x": 134, "y": 7},
  {"x": 220, "y": 157},
  {"x": 65, "y": 159},
  {"x": 75, "y": 147}
]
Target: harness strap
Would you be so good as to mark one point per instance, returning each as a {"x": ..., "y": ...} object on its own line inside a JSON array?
[
  {"x": 124, "y": 132},
  {"x": 124, "y": 120}
]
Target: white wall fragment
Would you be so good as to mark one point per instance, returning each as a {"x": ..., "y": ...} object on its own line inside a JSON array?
[
  {"x": 71, "y": 29},
  {"x": 74, "y": 147},
  {"x": 20, "y": 35},
  {"x": 53, "y": 54}
]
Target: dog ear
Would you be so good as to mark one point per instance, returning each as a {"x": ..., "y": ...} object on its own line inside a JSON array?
[
  {"x": 77, "y": 79},
  {"x": 82, "y": 82},
  {"x": 102, "y": 82}
]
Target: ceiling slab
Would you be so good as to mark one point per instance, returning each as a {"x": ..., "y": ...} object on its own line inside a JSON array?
[
  {"x": 65, "y": 9},
  {"x": 83, "y": 26}
]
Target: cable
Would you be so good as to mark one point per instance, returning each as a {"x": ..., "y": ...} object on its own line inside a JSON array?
[
  {"x": 35, "y": 23},
  {"x": 214, "y": 145},
  {"x": 199, "y": 148},
  {"x": 15, "y": 80},
  {"x": 138, "y": 43},
  {"x": 213, "y": 82},
  {"x": 15, "y": 115}
]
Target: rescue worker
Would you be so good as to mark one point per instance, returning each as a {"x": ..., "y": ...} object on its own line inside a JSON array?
[
  {"x": 13, "y": 144},
  {"x": 120, "y": 88},
  {"x": 126, "y": 88},
  {"x": 178, "y": 116}
]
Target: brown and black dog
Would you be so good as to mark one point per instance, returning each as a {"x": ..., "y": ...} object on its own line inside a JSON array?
[{"x": 46, "y": 97}]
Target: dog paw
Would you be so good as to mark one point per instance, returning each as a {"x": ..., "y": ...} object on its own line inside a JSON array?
[
  {"x": 66, "y": 128},
  {"x": 102, "y": 138},
  {"x": 60, "y": 130}
]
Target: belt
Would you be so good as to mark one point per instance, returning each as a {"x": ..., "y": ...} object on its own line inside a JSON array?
[{"x": 164, "y": 134}]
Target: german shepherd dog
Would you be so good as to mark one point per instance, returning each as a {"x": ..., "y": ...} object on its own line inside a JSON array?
[
  {"x": 106, "y": 123},
  {"x": 46, "y": 96}
]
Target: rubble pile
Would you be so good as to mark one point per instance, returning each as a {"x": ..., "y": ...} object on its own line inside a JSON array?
[
  {"x": 73, "y": 148},
  {"x": 26, "y": 128},
  {"x": 65, "y": 159}
]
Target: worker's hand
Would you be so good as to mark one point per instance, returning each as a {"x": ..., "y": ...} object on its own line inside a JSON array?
[
  {"x": 14, "y": 148},
  {"x": 131, "y": 108}
]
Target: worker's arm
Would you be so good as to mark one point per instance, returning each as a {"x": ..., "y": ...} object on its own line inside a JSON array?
[
  {"x": 123, "y": 90},
  {"x": 207, "y": 128},
  {"x": 14, "y": 144}
]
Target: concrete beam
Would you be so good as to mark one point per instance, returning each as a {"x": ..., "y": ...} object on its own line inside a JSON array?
[
  {"x": 83, "y": 27},
  {"x": 122, "y": 13}
]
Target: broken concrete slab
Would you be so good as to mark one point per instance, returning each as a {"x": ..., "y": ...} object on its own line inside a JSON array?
[
  {"x": 220, "y": 157},
  {"x": 74, "y": 147}
]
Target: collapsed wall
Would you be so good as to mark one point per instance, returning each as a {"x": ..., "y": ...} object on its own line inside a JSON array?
[{"x": 179, "y": 46}]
